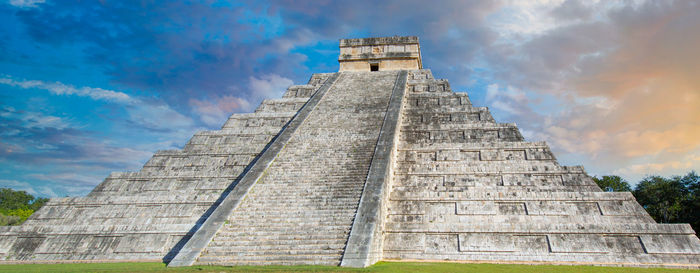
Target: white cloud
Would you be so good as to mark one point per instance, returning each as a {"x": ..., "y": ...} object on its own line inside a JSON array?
[
  {"x": 26, "y": 3},
  {"x": 89, "y": 158},
  {"x": 510, "y": 100},
  {"x": 215, "y": 113},
  {"x": 664, "y": 167},
  {"x": 505, "y": 106},
  {"x": 609, "y": 84},
  {"x": 524, "y": 18},
  {"x": 33, "y": 120},
  {"x": 491, "y": 91},
  {"x": 58, "y": 88},
  {"x": 36, "y": 191},
  {"x": 158, "y": 116},
  {"x": 268, "y": 86},
  {"x": 147, "y": 113}
]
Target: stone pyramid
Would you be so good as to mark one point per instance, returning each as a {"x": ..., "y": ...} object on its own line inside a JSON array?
[{"x": 379, "y": 161}]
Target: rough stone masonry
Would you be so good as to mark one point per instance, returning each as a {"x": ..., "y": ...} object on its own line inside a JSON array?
[{"x": 379, "y": 161}]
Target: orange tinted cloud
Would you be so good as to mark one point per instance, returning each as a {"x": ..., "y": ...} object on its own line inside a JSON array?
[{"x": 627, "y": 84}]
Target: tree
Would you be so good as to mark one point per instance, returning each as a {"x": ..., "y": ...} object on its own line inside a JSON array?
[
  {"x": 691, "y": 206},
  {"x": 17, "y": 206},
  {"x": 663, "y": 198},
  {"x": 11, "y": 199},
  {"x": 612, "y": 183}
]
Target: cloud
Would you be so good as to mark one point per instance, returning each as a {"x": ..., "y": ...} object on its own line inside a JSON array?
[
  {"x": 677, "y": 166},
  {"x": 59, "y": 155},
  {"x": 29, "y": 143},
  {"x": 26, "y": 3},
  {"x": 619, "y": 78},
  {"x": 145, "y": 113},
  {"x": 268, "y": 86},
  {"x": 201, "y": 52},
  {"x": 157, "y": 116},
  {"x": 32, "y": 120},
  {"x": 510, "y": 102},
  {"x": 61, "y": 161},
  {"x": 58, "y": 88},
  {"x": 156, "y": 47},
  {"x": 36, "y": 191},
  {"x": 572, "y": 10},
  {"x": 215, "y": 113}
]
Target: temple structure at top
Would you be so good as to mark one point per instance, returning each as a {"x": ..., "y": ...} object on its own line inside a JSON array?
[
  {"x": 378, "y": 161},
  {"x": 380, "y": 54}
]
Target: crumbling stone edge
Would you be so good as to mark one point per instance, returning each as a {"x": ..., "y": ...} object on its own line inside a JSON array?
[
  {"x": 364, "y": 244},
  {"x": 206, "y": 232}
]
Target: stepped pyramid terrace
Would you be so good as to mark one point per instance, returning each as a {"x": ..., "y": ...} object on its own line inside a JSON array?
[{"x": 378, "y": 161}]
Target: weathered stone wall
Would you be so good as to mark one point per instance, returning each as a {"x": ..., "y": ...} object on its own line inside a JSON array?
[{"x": 469, "y": 189}]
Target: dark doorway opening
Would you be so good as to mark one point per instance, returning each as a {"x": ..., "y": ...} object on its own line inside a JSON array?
[{"x": 373, "y": 67}]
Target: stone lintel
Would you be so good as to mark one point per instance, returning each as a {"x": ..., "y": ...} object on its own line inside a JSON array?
[{"x": 394, "y": 40}]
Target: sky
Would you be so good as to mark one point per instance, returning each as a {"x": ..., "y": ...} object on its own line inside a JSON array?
[{"x": 93, "y": 87}]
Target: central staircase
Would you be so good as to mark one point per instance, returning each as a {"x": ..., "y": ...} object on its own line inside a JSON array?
[{"x": 301, "y": 210}]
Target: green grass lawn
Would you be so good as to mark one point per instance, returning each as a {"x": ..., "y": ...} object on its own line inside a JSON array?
[{"x": 379, "y": 267}]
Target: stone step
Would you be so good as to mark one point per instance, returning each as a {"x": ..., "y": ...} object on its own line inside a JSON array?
[
  {"x": 338, "y": 201},
  {"x": 311, "y": 212},
  {"x": 321, "y": 184},
  {"x": 271, "y": 210},
  {"x": 264, "y": 238},
  {"x": 291, "y": 228},
  {"x": 274, "y": 227},
  {"x": 322, "y": 177},
  {"x": 214, "y": 260},
  {"x": 350, "y": 187},
  {"x": 326, "y": 247},
  {"x": 339, "y": 242},
  {"x": 320, "y": 211},
  {"x": 300, "y": 91},
  {"x": 335, "y": 196},
  {"x": 251, "y": 254},
  {"x": 318, "y": 196},
  {"x": 248, "y": 217},
  {"x": 257, "y": 220},
  {"x": 284, "y": 220},
  {"x": 314, "y": 202},
  {"x": 319, "y": 193},
  {"x": 301, "y": 259},
  {"x": 281, "y": 105},
  {"x": 263, "y": 131},
  {"x": 220, "y": 134}
]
